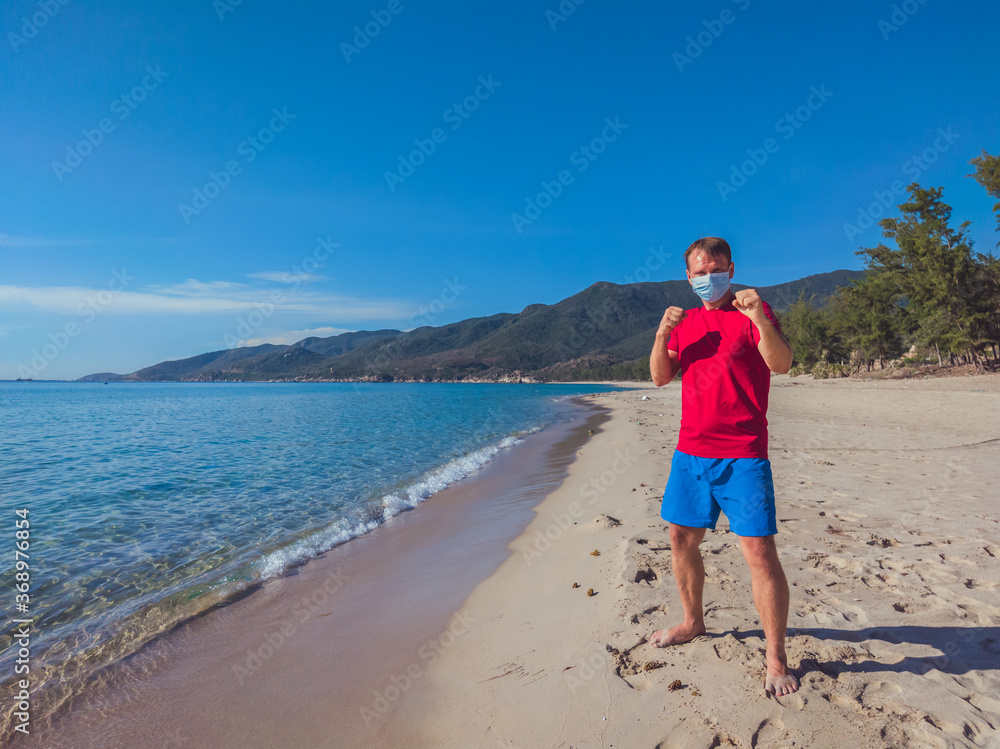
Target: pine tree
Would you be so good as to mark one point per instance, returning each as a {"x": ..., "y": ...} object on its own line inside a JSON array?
[
  {"x": 936, "y": 274},
  {"x": 810, "y": 333},
  {"x": 988, "y": 175},
  {"x": 870, "y": 318},
  {"x": 987, "y": 282}
]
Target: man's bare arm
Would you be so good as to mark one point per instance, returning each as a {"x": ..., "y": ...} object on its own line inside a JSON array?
[
  {"x": 664, "y": 364},
  {"x": 773, "y": 346}
]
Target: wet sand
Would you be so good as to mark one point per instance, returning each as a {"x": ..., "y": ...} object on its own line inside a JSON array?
[{"x": 324, "y": 655}]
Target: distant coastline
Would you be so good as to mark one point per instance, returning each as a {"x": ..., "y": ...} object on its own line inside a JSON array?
[{"x": 604, "y": 332}]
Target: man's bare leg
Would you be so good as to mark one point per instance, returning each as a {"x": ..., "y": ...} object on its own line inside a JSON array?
[
  {"x": 689, "y": 573},
  {"x": 770, "y": 596}
]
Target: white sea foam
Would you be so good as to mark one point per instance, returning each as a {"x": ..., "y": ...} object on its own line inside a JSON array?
[{"x": 369, "y": 518}]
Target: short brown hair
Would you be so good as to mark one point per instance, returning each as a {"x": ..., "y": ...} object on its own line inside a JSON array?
[{"x": 714, "y": 247}]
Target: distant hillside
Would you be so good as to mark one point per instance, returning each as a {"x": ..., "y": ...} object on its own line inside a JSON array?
[{"x": 605, "y": 323}]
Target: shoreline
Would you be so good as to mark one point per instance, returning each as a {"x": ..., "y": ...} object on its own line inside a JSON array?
[
  {"x": 120, "y": 625},
  {"x": 297, "y": 659},
  {"x": 888, "y": 539},
  {"x": 886, "y": 534}
]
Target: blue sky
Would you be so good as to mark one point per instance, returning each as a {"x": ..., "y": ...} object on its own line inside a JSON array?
[{"x": 182, "y": 177}]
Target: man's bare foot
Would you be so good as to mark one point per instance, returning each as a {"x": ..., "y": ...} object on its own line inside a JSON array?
[
  {"x": 676, "y": 635},
  {"x": 781, "y": 684}
]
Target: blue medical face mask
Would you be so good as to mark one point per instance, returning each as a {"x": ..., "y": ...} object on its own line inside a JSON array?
[{"x": 712, "y": 286}]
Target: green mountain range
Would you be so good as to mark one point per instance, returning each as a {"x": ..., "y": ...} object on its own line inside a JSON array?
[{"x": 605, "y": 324}]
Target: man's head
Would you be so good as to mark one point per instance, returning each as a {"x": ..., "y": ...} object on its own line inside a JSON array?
[
  {"x": 708, "y": 255},
  {"x": 709, "y": 270}
]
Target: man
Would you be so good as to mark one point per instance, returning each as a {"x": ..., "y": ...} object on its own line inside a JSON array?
[{"x": 725, "y": 350}]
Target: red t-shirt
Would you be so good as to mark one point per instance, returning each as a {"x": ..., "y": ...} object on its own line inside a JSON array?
[{"x": 724, "y": 384}]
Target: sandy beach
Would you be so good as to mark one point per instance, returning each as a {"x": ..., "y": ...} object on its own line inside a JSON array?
[
  {"x": 438, "y": 630},
  {"x": 888, "y": 531}
]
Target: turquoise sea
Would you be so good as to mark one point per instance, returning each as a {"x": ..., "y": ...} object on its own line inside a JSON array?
[{"x": 152, "y": 502}]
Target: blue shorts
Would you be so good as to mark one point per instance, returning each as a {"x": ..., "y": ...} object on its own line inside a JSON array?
[{"x": 699, "y": 488}]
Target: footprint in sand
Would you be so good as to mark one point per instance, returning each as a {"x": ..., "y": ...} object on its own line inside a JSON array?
[
  {"x": 909, "y": 607},
  {"x": 728, "y": 648},
  {"x": 947, "y": 598},
  {"x": 836, "y": 567},
  {"x": 853, "y": 614},
  {"x": 645, "y": 614},
  {"x": 915, "y": 735},
  {"x": 794, "y": 701},
  {"x": 954, "y": 729},
  {"x": 951, "y": 559},
  {"x": 983, "y": 703},
  {"x": 881, "y": 695},
  {"x": 846, "y": 702},
  {"x": 696, "y": 733},
  {"x": 834, "y": 611},
  {"x": 769, "y": 733},
  {"x": 881, "y": 582},
  {"x": 645, "y": 571}
]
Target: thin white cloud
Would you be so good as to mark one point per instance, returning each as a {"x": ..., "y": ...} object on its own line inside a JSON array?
[
  {"x": 194, "y": 287},
  {"x": 196, "y": 297},
  {"x": 8, "y": 241},
  {"x": 294, "y": 336},
  {"x": 281, "y": 276}
]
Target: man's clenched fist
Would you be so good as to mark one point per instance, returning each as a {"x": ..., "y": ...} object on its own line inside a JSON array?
[
  {"x": 748, "y": 302},
  {"x": 671, "y": 319}
]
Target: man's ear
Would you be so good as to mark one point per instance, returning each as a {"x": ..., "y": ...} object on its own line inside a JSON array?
[
  {"x": 732, "y": 270},
  {"x": 688, "y": 273}
]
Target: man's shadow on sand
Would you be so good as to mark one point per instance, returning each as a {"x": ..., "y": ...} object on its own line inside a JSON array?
[{"x": 960, "y": 649}]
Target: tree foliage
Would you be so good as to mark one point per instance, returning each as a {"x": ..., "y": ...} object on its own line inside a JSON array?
[
  {"x": 637, "y": 369},
  {"x": 927, "y": 288},
  {"x": 811, "y": 333},
  {"x": 867, "y": 319},
  {"x": 988, "y": 175}
]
